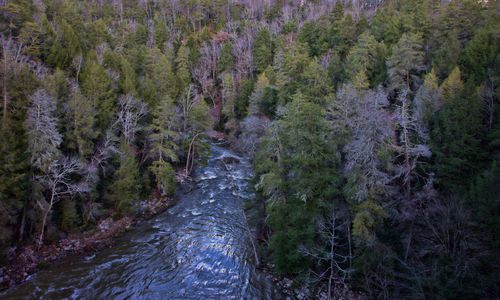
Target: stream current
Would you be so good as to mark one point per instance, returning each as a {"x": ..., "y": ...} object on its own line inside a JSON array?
[{"x": 198, "y": 249}]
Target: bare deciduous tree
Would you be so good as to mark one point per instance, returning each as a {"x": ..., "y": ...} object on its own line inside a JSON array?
[
  {"x": 131, "y": 112},
  {"x": 410, "y": 151},
  {"x": 242, "y": 51},
  {"x": 330, "y": 230},
  {"x": 41, "y": 126},
  {"x": 57, "y": 180},
  {"x": 252, "y": 129},
  {"x": 372, "y": 136},
  {"x": 12, "y": 59}
]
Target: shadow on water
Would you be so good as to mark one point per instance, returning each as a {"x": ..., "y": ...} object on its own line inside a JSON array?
[{"x": 199, "y": 249}]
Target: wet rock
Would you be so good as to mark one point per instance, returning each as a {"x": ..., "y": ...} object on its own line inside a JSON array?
[{"x": 230, "y": 160}]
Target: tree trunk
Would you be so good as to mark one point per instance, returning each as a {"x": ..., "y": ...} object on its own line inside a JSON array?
[
  {"x": 40, "y": 239},
  {"x": 191, "y": 145},
  {"x": 4, "y": 83},
  {"x": 23, "y": 221},
  {"x": 192, "y": 158},
  {"x": 332, "y": 257}
]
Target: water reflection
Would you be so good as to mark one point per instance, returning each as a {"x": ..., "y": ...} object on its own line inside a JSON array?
[{"x": 199, "y": 249}]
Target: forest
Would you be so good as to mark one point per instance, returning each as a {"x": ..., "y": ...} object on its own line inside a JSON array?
[{"x": 373, "y": 127}]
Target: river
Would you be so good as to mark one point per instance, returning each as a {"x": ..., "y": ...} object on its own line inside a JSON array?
[{"x": 198, "y": 249}]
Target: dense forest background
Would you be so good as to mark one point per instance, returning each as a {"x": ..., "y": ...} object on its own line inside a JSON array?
[{"x": 374, "y": 127}]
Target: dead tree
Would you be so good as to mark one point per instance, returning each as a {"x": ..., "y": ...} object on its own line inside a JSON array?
[
  {"x": 131, "y": 112},
  {"x": 57, "y": 180}
]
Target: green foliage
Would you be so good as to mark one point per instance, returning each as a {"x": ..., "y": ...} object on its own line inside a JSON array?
[
  {"x": 165, "y": 177},
  {"x": 263, "y": 50},
  {"x": 159, "y": 68},
  {"x": 314, "y": 34},
  {"x": 226, "y": 60},
  {"x": 369, "y": 215},
  {"x": 149, "y": 93},
  {"x": 456, "y": 138},
  {"x": 343, "y": 35},
  {"x": 428, "y": 99},
  {"x": 69, "y": 215},
  {"x": 481, "y": 59},
  {"x": 141, "y": 34},
  {"x": 314, "y": 84},
  {"x": 165, "y": 136},
  {"x": 65, "y": 48},
  {"x": 292, "y": 65},
  {"x": 326, "y": 96},
  {"x": 461, "y": 17},
  {"x": 268, "y": 102},
  {"x": 123, "y": 193},
  {"x": 160, "y": 35},
  {"x": 337, "y": 12},
  {"x": 289, "y": 27},
  {"x": 98, "y": 33},
  {"x": 80, "y": 131},
  {"x": 365, "y": 56},
  {"x": 406, "y": 62},
  {"x": 297, "y": 180},
  {"x": 452, "y": 86},
  {"x": 228, "y": 94},
  {"x": 242, "y": 98},
  {"x": 98, "y": 87},
  {"x": 446, "y": 57},
  {"x": 127, "y": 82},
  {"x": 182, "y": 64},
  {"x": 14, "y": 157}
]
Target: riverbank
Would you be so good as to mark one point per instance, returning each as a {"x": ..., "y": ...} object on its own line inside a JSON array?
[
  {"x": 320, "y": 292},
  {"x": 27, "y": 260},
  {"x": 24, "y": 261}
]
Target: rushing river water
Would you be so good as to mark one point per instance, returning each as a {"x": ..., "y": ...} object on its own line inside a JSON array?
[{"x": 198, "y": 249}]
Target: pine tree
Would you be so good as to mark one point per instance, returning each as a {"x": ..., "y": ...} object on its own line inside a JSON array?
[
  {"x": 128, "y": 81},
  {"x": 226, "y": 61},
  {"x": 314, "y": 34},
  {"x": 66, "y": 47},
  {"x": 165, "y": 139},
  {"x": 337, "y": 12},
  {"x": 160, "y": 70},
  {"x": 427, "y": 102},
  {"x": 141, "y": 34},
  {"x": 98, "y": 87},
  {"x": 263, "y": 50},
  {"x": 452, "y": 86},
  {"x": 81, "y": 120},
  {"x": 160, "y": 34},
  {"x": 364, "y": 56},
  {"x": 149, "y": 92},
  {"x": 301, "y": 178},
  {"x": 344, "y": 35},
  {"x": 198, "y": 121},
  {"x": 228, "y": 95},
  {"x": 446, "y": 57},
  {"x": 314, "y": 84},
  {"x": 457, "y": 132},
  {"x": 14, "y": 157},
  {"x": 406, "y": 62},
  {"x": 291, "y": 67},
  {"x": 182, "y": 64},
  {"x": 255, "y": 99},
  {"x": 124, "y": 191},
  {"x": 242, "y": 98}
]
